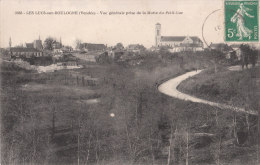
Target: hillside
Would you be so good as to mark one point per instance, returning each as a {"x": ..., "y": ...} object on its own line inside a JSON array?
[
  {"x": 51, "y": 118},
  {"x": 229, "y": 87}
]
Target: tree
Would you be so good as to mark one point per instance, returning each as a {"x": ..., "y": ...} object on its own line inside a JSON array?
[
  {"x": 248, "y": 55},
  {"x": 253, "y": 57},
  {"x": 119, "y": 46},
  {"x": 141, "y": 47},
  {"x": 48, "y": 43},
  {"x": 78, "y": 44}
]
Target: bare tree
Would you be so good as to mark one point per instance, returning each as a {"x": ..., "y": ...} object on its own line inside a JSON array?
[{"x": 78, "y": 44}]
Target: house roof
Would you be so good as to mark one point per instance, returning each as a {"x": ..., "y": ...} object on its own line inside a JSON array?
[
  {"x": 91, "y": 46},
  {"x": 179, "y": 38},
  {"x": 29, "y": 45},
  {"x": 24, "y": 50},
  {"x": 134, "y": 46}
]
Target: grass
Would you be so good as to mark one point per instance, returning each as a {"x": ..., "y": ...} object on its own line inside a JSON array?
[{"x": 229, "y": 87}]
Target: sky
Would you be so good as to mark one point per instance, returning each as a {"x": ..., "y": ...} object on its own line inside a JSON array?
[{"x": 109, "y": 29}]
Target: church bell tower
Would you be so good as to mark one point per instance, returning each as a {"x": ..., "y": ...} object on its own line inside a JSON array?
[{"x": 157, "y": 34}]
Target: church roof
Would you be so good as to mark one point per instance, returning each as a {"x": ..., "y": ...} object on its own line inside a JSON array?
[
  {"x": 178, "y": 38},
  {"x": 172, "y": 38}
]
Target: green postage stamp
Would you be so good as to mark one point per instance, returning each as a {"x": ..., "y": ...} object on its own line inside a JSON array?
[{"x": 241, "y": 20}]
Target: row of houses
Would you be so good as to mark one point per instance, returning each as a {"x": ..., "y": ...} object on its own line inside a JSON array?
[
  {"x": 36, "y": 47},
  {"x": 92, "y": 47},
  {"x": 32, "y": 49},
  {"x": 25, "y": 52}
]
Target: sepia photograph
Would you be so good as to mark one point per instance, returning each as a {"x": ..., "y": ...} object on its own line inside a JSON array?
[{"x": 129, "y": 82}]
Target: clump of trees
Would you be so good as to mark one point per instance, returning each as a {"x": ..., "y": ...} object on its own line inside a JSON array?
[
  {"x": 42, "y": 61},
  {"x": 49, "y": 43},
  {"x": 248, "y": 55}
]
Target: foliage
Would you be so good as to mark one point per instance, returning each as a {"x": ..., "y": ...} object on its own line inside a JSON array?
[
  {"x": 249, "y": 55},
  {"x": 42, "y": 61},
  {"x": 78, "y": 44},
  {"x": 48, "y": 43},
  {"x": 119, "y": 46}
]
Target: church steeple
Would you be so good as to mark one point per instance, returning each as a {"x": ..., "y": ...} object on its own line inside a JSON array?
[
  {"x": 10, "y": 42},
  {"x": 157, "y": 34},
  {"x": 60, "y": 42}
]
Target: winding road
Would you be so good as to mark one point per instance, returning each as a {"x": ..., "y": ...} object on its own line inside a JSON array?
[{"x": 170, "y": 88}]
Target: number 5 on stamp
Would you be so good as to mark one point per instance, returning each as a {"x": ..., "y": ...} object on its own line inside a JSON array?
[{"x": 241, "y": 20}]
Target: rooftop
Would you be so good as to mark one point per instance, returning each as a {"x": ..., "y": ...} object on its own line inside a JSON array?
[
  {"x": 22, "y": 49},
  {"x": 179, "y": 38}
]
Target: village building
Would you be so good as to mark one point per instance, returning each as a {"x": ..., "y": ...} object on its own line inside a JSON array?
[
  {"x": 36, "y": 44},
  {"x": 136, "y": 48},
  {"x": 93, "y": 47},
  {"x": 66, "y": 49},
  {"x": 25, "y": 52},
  {"x": 90, "y": 57},
  {"x": 115, "y": 52},
  {"x": 177, "y": 43},
  {"x": 29, "y": 45},
  {"x": 56, "y": 45},
  {"x": 224, "y": 48},
  {"x": 57, "y": 51}
]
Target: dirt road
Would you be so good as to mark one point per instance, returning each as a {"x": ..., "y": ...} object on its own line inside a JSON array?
[{"x": 170, "y": 88}]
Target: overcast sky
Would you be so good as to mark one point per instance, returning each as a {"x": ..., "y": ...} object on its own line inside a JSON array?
[{"x": 111, "y": 29}]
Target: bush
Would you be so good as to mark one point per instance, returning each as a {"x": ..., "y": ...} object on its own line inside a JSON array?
[{"x": 41, "y": 61}]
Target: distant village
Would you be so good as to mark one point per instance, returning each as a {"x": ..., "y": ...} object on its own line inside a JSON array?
[{"x": 60, "y": 54}]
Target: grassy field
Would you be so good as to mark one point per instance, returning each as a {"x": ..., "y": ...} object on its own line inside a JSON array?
[{"x": 229, "y": 87}]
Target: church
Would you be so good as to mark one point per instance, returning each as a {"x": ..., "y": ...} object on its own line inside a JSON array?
[{"x": 177, "y": 43}]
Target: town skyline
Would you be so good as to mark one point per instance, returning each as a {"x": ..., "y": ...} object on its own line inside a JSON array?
[{"x": 131, "y": 29}]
